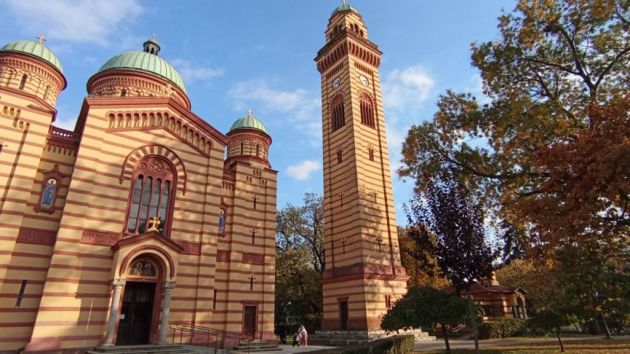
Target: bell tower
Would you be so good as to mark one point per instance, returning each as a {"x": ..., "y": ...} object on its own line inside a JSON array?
[{"x": 363, "y": 273}]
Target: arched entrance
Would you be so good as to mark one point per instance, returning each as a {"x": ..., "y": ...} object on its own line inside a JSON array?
[{"x": 139, "y": 311}]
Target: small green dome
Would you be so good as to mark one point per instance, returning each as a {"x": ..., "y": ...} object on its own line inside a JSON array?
[
  {"x": 34, "y": 49},
  {"x": 344, "y": 7},
  {"x": 147, "y": 62},
  {"x": 249, "y": 122}
]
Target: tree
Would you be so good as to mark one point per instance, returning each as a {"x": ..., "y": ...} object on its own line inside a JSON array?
[
  {"x": 425, "y": 307},
  {"x": 550, "y": 151},
  {"x": 303, "y": 226},
  {"x": 419, "y": 263},
  {"x": 300, "y": 263},
  {"x": 448, "y": 212},
  {"x": 298, "y": 289}
]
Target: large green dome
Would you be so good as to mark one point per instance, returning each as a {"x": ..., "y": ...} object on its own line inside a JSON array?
[
  {"x": 147, "y": 62},
  {"x": 249, "y": 122},
  {"x": 34, "y": 49}
]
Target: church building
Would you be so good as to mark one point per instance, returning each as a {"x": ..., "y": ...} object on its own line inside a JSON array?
[{"x": 143, "y": 218}]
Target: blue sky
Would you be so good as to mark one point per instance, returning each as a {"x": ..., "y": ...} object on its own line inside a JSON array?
[{"x": 235, "y": 55}]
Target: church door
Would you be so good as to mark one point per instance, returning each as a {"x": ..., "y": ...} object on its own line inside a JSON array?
[
  {"x": 343, "y": 314},
  {"x": 135, "y": 316},
  {"x": 249, "y": 322}
]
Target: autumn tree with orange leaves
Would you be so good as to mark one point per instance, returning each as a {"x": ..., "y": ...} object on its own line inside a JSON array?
[{"x": 550, "y": 153}]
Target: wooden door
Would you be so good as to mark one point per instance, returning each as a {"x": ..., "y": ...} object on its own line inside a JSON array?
[
  {"x": 136, "y": 313},
  {"x": 343, "y": 314},
  {"x": 249, "y": 321}
]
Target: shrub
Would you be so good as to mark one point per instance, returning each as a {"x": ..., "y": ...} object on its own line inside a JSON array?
[
  {"x": 509, "y": 327},
  {"x": 390, "y": 345}
]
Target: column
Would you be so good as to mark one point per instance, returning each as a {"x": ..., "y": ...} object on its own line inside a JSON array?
[
  {"x": 166, "y": 310},
  {"x": 117, "y": 286}
]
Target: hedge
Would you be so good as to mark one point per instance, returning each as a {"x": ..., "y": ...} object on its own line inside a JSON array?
[
  {"x": 509, "y": 327},
  {"x": 390, "y": 345}
]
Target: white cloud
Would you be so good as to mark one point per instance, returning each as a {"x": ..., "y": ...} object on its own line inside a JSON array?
[
  {"x": 75, "y": 21},
  {"x": 404, "y": 89},
  {"x": 303, "y": 107},
  {"x": 303, "y": 170},
  {"x": 191, "y": 72}
]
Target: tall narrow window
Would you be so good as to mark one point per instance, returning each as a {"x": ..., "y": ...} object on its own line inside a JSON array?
[
  {"x": 221, "y": 221},
  {"x": 20, "y": 296},
  {"x": 151, "y": 195},
  {"x": 339, "y": 156},
  {"x": 242, "y": 148},
  {"x": 23, "y": 82},
  {"x": 371, "y": 154},
  {"x": 214, "y": 300},
  {"x": 257, "y": 150},
  {"x": 367, "y": 111},
  {"x": 337, "y": 113},
  {"x": 46, "y": 92}
]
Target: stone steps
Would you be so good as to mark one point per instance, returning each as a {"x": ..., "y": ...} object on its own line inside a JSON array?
[
  {"x": 153, "y": 349},
  {"x": 255, "y": 346}
]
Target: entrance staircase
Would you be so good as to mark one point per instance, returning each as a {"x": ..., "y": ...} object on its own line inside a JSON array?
[
  {"x": 155, "y": 349},
  {"x": 254, "y": 346}
]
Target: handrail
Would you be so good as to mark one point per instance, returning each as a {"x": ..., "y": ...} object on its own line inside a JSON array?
[{"x": 219, "y": 335}]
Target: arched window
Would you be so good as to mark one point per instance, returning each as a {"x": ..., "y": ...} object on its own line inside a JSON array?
[
  {"x": 221, "y": 222},
  {"x": 367, "y": 112},
  {"x": 48, "y": 194},
  {"x": 123, "y": 93},
  {"x": 339, "y": 156},
  {"x": 23, "y": 82},
  {"x": 337, "y": 115},
  {"x": 258, "y": 150},
  {"x": 242, "y": 147},
  {"x": 152, "y": 195}
]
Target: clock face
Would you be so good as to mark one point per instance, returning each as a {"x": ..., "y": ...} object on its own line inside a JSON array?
[
  {"x": 364, "y": 80},
  {"x": 336, "y": 82}
]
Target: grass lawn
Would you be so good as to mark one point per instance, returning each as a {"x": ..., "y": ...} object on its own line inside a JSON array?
[{"x": 600, "y": 346}]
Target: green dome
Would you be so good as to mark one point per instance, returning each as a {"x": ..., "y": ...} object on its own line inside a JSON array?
[
  {"x": 34, "y": 49},
  {"x": 143, "y": 61},
  {"x": 249, "y": 122},
  {"x": 344, "y": 7}
]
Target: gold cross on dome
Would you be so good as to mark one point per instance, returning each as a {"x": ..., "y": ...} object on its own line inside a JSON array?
[
  {"x": 154, "y": 224},
  {"x": 41, "y": 39}
]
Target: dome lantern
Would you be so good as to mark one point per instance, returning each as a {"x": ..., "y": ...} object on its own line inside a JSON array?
[{"x": 151, "y": 46}]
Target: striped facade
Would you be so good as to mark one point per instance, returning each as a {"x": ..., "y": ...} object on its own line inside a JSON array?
[
  {"x": 66, "y": 269},
  {"x": 364, "y": 275}
]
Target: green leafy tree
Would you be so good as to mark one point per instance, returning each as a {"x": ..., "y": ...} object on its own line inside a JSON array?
[
  {"x": 428, "y": 308},
  {"x": 550, "y": 151},
  {"x": 300, "y": 263}
]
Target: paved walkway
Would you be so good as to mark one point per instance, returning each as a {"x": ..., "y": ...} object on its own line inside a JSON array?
[{"x": 470, "y": 344}]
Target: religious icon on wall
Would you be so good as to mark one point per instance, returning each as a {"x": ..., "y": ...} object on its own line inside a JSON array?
[
  {"x": 143, "y": 268},
  {"x": 48, "y": 195}
]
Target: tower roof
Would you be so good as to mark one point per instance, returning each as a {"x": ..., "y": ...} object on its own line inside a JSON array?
[
  {"x": 34, "y": 49},
  {"x": 249, "y": 122},
  {"x": 344, "y": 6},
  {"x": 146, "y": 62}
]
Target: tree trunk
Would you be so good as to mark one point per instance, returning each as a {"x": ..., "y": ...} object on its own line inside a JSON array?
[
  {"x": 606, "y": 329},
  {"x": 473, "y": 322},
  {"x": 559, "y": 339},
  {"x": 445, "y": 333}
]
